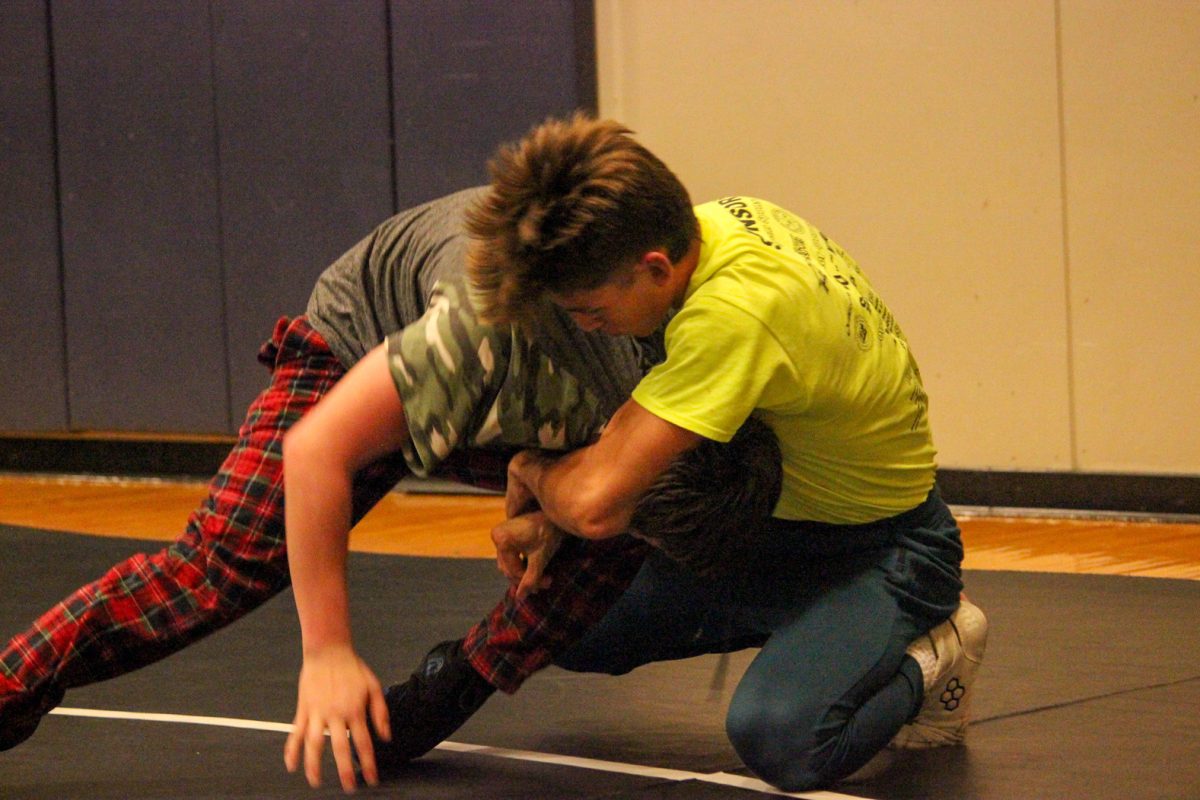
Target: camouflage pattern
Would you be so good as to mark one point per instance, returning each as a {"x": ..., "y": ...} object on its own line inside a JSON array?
[{"x": 466, "y": 384}]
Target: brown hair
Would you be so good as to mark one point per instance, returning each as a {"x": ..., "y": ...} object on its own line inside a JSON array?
[
  {"x": 708, "y": 508},
  {"x": 570, "y": 206}
]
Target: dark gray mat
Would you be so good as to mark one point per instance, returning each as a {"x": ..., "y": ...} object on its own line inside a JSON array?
[{"x": 1090, "y": 689}]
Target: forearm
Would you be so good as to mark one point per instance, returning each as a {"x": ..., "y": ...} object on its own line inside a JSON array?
[
  {"x": 592, "y": 492},
  {"x": 317, "y": 512},
  {"x": 360, "y": 420},
  {"x": 571, "y": 493}
]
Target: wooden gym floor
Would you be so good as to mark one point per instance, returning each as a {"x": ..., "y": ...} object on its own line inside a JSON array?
[{"x": 457, "y": 526}]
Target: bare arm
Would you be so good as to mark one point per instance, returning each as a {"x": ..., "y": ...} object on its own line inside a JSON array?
[
  {"x": 592, "y": 492},
  {"x": 359, "y": 421}
]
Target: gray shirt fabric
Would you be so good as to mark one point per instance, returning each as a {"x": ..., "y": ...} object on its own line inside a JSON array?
[{"x": 385, "y": 284}]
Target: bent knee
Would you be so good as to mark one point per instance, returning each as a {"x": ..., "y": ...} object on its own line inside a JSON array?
[{"x": 780, "y": 744}]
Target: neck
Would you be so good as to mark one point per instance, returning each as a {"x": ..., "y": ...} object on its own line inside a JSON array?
[{"x": 682, "y": 274}]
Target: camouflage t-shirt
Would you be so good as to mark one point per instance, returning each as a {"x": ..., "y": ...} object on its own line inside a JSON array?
[
  {"x": 467, "y": 384},
  {"x": 464, "y": 383}
]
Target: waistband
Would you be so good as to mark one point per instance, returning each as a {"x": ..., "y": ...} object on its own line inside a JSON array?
[{"x": 832, "y": 538}]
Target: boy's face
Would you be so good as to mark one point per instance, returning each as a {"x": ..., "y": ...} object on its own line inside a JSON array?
[{"x": 634, "y": 304}]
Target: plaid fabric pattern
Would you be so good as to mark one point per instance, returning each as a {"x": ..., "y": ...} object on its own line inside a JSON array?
[
  {"x": 520, "y": 637},
  {"x": 232, "y": 557}
]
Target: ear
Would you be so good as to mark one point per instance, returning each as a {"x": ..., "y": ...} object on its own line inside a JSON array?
[{"x": 658, "y": 266}]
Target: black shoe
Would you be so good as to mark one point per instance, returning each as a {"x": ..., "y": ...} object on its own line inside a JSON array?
[
  {"x": 442, "y": 694},
  {"x": 13, "y": 733},
  {"x": 19, "y": 720}
]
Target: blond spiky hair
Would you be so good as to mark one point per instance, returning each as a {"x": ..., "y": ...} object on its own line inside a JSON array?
[{"x": 570, "y": 205}]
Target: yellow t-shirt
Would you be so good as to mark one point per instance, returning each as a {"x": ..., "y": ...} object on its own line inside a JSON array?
[{"x": 779, "y": 322}]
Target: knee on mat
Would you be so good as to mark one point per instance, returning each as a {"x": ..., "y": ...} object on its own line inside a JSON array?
[{"x": 772, "y": 741}]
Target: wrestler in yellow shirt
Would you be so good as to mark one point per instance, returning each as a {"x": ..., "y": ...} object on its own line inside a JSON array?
[{"x": 780, "y": 323}]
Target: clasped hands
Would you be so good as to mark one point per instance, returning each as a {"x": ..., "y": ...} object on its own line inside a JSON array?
[{"x": 527, "y": 540}]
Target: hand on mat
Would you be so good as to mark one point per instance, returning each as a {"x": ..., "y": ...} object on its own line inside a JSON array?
[
  {"x": 524, "y": 546},
  {"x": 336, "y": 690}
]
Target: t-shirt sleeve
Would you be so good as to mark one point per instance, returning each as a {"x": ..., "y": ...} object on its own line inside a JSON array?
[
  {"x": 467, "y": 384},
  {"x": 445, "y": 367},
  {"x": 722, "y": 363}
]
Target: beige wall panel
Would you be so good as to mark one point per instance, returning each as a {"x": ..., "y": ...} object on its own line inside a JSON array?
[
  {"x": 923, "y": 137},
  {"x": 1131, "y": 90}
]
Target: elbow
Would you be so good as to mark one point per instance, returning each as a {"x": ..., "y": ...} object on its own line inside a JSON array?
[
  {"x": 598, "y": 516},
  {"x": 304, "y": 450},
  {"x": 296, "y": 443},
  {"x": 598, "y": 528}
]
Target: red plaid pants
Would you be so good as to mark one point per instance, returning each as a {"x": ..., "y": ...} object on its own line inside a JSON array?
[{"x": 232, "y": 557}]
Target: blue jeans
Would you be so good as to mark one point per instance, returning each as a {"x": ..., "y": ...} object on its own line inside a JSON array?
[{"x": 833, "y": 608}]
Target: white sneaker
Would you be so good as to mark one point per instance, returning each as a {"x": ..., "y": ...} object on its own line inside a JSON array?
[{"x": 949, "y": 656}]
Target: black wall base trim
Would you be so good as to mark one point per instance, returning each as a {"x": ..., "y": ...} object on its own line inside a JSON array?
[
  {"x": 1123, "y": 493},
  {"x": 1077, "y": 491},
  {"x": 121, "y": 457}
]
